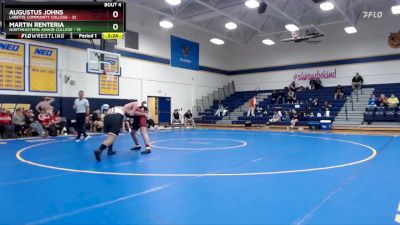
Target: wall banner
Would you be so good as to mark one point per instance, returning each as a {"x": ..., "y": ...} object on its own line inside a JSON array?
[
  {"x": 43, "y": 62},
  {"x": 108, "y": 85},
  {"x": 12, "y": 65}
]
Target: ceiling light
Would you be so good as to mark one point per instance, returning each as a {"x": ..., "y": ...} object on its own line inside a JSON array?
[
  {"x": 166, "y": 24},
  {"x": 350, "y": 30},
  {"x": 396, "y": 9},
  {"x": 326, "y": 6},
  {"x": 217, "y": 41},
  {"x": 252, "y": 4},
  {"x": 291, "y": 27},
  {"x": 230, "y": 26},
  {"x": 268, "y": 42},
  {"x": 173, "y": 2}
]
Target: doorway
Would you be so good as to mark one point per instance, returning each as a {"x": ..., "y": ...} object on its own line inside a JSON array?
[{"x": 160, "y": 109}]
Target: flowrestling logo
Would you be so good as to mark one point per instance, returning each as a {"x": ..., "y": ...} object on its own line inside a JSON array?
[{"x": 322, "y": 75}]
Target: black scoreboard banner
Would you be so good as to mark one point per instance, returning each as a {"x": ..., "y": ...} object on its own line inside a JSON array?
[{"x": 58, "y": 20}]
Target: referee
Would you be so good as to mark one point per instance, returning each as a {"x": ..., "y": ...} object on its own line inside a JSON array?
[{"x": 81, "y": 107}]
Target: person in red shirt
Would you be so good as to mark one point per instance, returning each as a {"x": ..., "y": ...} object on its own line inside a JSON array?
[
  {"x": 5, "y": 120},
  {"x": 252, "y": 104},
  {"x": 44, "y": 118}
]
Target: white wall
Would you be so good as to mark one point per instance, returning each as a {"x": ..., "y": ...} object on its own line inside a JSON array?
[{"x": 371, "y": 40}]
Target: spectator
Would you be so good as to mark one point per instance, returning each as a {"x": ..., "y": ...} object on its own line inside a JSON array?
[
  {"x": 294, "y": 119},
  {"x": 59, "y": 121},
  {"x": 383, "y": 101},
  {"x": 18, "y": 120},
  {"x": 277, "y": 117},
  {"x": 372, "y": 101},
  {"x": 5, "y": 122},
  {"x": 98, "y": 121},
  {"x": 315, "y": 84},
  {"x": 265, "y": 113},
  {"x": 44, "y": 104},
  {"x": 327, "y": 108},
  {"x": 309, "y": 112},
  {"x": 252, "y": 105},
  {"x": 318, "y": 83},
  {"x": 189, "y": 118},
  {"x": 315, "y": 103},
  {"x": 221, "y": 111},
  {"x": 393, "y": 101},
  {"x": 274, "y": 97},
  {"x": 45, "y": 119},
  {"x": 357, "y": 82},
  {"x": 176, "y": 118},
  {"x": 291, "y": 97},
  {"x": 259, "y": 111},
  {"x": 338, "y": 92},
  {"x": 33, "y": 123},
  {"x": 295, "y": 87}
]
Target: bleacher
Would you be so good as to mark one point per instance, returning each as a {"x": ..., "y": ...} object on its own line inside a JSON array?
[
  {"x": 383, "y": 114},
  {"x": 304, "y": 97},
  {"x": 230, "y": 103}
]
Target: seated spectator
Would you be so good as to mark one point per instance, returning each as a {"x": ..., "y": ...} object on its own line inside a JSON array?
[
  {"x": 98, "y": 124},
  {"x": 5, "y": 122},
  {"x": 338, "y": 92},
  {"x": 315, "y": 103},
  {"x": 221, "y": 111},
  {"x": 265, "y": 113},
  {"x": 59, "y": 121},
  {"x": 18, "y": 121},
  {"x": 44, "y": 119},
  {"x": 189, "y": 118},
  {"x": 177, "y": 118},
  {"x": 291, "y": 97},
  {"x": 294, "y": 119},
  {"x": 372, "y": 101},
  {"x": 33, "y": 123},
  {"x": 393, "y": 101},
  {"x": 357, "y": 82},
  {"x": 327, "y": 108},
  {"x": 94, "y": 118},
  {"x": 259, "y": 111},
  {"x": 309, "y": 112},
  {"x": 277, "y": 117},
  {"x": 383, "y": 101}
]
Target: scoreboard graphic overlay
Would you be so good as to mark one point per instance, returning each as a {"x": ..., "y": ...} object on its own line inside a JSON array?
[{"x": 63, "y": 20}]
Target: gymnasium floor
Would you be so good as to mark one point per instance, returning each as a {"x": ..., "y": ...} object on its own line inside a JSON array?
[{"x": 204, "y": 177}]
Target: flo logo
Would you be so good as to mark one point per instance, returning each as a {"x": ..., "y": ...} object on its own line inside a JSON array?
[{"x": 372, "y": 14}]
